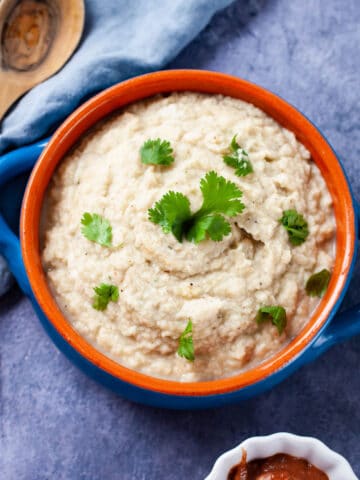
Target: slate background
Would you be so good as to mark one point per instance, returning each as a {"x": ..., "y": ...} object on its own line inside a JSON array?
[{"x": 57, "y": 423}]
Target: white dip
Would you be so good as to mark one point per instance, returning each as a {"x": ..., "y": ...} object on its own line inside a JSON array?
[{"x": 163, "y": 283}]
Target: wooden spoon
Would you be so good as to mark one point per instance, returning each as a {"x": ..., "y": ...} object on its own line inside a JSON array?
[{"x": 37, "y": 38}]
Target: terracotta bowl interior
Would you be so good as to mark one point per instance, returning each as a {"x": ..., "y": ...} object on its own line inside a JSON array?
[{"x": 210, "y": 82}]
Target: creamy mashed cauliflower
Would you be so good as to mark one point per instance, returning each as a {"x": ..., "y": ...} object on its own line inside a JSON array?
[{"x": 163, "y": 283}]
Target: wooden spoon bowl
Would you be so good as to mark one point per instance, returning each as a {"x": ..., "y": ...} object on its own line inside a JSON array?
[{"x": 37, "y": 38}]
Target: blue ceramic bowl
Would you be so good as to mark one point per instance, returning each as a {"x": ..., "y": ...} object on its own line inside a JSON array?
[{"x": 322, "y": 331}]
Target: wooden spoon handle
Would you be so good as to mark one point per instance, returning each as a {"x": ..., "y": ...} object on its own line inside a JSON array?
[{"x": 10, "y": 91}]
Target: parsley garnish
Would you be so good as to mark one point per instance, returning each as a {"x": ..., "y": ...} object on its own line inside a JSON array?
[
  {"x": 238, "y": 158},
  {"x": 296, "y": 226},
  {"x": 186, "y": 344},
  {"x": 96, "y": 229},
  {"x": 276, "y": 314},
  {"x": 105, "y": 293},
  {"x": 317, "y": 284},
  {"x": 220, "y": 197},
  {"x": 157, "y": 152}
]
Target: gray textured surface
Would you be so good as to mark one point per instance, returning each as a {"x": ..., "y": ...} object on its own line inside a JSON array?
[{"x": 56, "y": 423}]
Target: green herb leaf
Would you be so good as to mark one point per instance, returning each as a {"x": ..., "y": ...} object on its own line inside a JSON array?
[
  {"x": 171, "y": 212},
  {"x": 105, "y": 293},
  {"x": 276, "y": 314},
  {"x": 186, "y": 344},
  {"x": 214, "y": 226},
  {"x": 317, "y": 284},
  {"x": 238, "y": 158},
  {"x": 220, "y": 197},
  {"x": 296, "y": 226},
  {"x": 157, "y": 152},
  {"x": 96, "y": 229}
]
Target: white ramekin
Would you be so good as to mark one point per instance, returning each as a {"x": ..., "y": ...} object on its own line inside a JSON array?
[{"x": 316, "y": 452}]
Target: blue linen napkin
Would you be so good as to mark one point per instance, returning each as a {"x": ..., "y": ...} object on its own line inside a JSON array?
[{"x": 122, "y": 38}]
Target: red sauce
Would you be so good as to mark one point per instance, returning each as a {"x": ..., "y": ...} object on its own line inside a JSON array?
[{"x": 278, "y": 467}]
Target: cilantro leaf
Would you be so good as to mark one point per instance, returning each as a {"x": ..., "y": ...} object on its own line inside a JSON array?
[
  {"x": 186, "y": 344},
  {"x": 238, "y": 158},
  {"x": 276, "y": 314},
  {"x": 157, "y": 152},
  {"x": 318, "y": 282},
  {"x": 296, "y": 226},
  {"x": 96, "y": 229},
  {"x": 220, "y": 197},
  {"x": 105, "y": 293},
  {"x": 171, "y": 212},
  {"x": 215, "y": 226}
]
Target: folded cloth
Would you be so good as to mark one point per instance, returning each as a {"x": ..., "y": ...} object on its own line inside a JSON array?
[
  {"x": 6, "y": 279},
  {"x": 121, "y": 38}
]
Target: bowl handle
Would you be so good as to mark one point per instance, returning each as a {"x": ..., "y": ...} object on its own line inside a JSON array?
[
  {"x": 345, "y": 324},
  {"x": 11, "y": 165}
]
